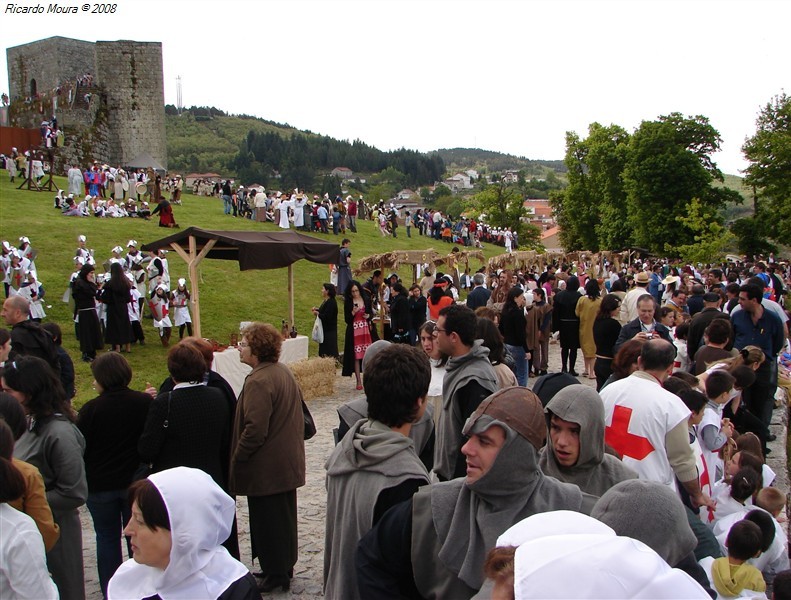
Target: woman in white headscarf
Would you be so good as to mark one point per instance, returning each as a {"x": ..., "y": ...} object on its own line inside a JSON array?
[{"x": 180, "y": 518}]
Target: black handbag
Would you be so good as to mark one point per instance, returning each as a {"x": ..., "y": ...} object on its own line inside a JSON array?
[
  {"x": 310, "y": 425},
  {"x": 146, "y": 469}
]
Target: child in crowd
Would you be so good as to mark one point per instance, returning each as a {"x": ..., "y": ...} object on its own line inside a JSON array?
[
  {"x": 714, "y": 431},
  {"x": 30, "y": 290},
  {"x": 746, "y": 482},
  {"x": 772, "y": 501},
  {"x": 134, "y": 312},
  {"x": 180, "y": 299},
  {"x": 160, "y": 308},
  {"x": 696, "y": 403},
  {"x": 749, "y": 442},
  {"x": 731, "y": 575},
  {"x": 680, "y": 342}
]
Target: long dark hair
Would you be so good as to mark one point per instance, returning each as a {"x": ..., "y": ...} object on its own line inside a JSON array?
[
  {"x": 118, "y": 284},
  {"x": 435, "y": 294},
  {"x": 12, "y": 482},
  {"x": 510, "y": 299},
  {"x": 347, "y": 293},
  {"x": 34, "y": 378},
  {"x": 592, "y": 289},
  {"x": 492, "y": 339},
  {"x": 608, "y": 304}
]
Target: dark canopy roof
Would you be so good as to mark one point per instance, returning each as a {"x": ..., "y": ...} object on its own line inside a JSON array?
[{"x": 255, "y": 249}]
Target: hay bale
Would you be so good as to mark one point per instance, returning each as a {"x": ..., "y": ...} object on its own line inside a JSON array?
[{"x": 315, "y": 376}]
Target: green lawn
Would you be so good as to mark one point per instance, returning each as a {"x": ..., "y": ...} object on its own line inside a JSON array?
[{"x": 228, "y": 296}]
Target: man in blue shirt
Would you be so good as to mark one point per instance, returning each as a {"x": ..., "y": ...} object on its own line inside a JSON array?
[{"x": 756, "y": 326}]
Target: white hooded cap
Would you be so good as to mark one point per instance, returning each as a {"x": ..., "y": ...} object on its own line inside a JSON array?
[
  {"x": 563, "y": 554},
  {"x": 200, "y": 514}
]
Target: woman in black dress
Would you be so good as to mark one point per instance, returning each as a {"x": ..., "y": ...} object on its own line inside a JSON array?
[
  {"x": 566, "y": 321},
  {"x": 328, "y": 313},
  {"x": 84, "y": 292},
  {"x": 117, "y": 295},
  {"x": 606, "y": 330}
]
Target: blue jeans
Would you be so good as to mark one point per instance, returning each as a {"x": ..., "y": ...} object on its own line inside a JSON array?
[
  {"x": 520, "y": 363},
  {"x": 110, "y": 513},
  {"x": 227, "y": 203}
]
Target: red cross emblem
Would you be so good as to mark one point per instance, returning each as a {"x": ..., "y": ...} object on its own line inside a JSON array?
[{"x": 627, "y": 444}]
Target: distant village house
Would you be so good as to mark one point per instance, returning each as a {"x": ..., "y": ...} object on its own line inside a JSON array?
[{"x": 342, "y": 173}]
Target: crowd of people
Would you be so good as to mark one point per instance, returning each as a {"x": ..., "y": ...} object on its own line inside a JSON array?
[
  {"x": 449, "y": 476},
  {"x": 340, "y": 215}
]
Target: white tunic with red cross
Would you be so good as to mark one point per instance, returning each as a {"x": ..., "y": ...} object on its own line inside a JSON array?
[{"x": 638, "y": 414}]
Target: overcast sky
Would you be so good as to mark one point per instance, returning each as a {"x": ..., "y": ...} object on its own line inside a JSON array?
[{"x": 510, "y": 76}]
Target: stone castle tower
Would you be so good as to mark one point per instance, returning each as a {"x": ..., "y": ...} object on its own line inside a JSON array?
[{"x": 108, "y": 97}]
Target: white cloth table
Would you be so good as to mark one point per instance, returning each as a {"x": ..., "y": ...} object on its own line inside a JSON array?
[{"x": 227, "y": 362}]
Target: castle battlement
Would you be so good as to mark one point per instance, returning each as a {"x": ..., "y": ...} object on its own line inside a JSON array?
[{"x": 109, "y": 97}]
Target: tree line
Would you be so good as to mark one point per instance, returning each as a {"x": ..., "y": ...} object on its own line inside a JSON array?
[
  {"x": 302, "y": 161},
  {"x": 655, "y": 188},
  {"x": 637, "y": 190}
]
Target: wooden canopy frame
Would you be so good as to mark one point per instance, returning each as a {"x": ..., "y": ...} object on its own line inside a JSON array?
[{"x": 252, "y": 249}]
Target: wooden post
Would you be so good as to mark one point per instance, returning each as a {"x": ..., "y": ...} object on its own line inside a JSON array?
[
  {"x": 291, "y": 294},
  {"x": 193, "y": 260}
]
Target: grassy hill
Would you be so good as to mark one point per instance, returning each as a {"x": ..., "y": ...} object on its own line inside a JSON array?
[
  {"x": 207, "y": 142},
  {"x": 198, "y": 144},
  {"x": 228, "y": 296}
]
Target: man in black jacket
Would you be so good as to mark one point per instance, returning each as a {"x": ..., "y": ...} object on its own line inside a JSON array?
[
  {"x": 479, "y": 295},
  {"x": 399, "y": 314},
  {"x": 644, "y": 326},
  {"x": 27, "y": 337}
]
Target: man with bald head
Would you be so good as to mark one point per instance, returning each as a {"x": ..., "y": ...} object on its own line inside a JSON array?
[
  {"x": 27, "y": 337},
  {"x": 648, "y": 426}
]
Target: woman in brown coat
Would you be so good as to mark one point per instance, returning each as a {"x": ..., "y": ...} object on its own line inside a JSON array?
[{"x": 268, "y": 454}]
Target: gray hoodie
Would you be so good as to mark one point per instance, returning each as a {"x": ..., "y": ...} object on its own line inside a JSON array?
[
  {"x": 369, "y": 459},
  {"x": 595, "y": 472}
]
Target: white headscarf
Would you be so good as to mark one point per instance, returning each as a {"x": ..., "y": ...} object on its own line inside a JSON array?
[
  {"x": 563, "y": 554},
  {"x": 200, "y": 515}
]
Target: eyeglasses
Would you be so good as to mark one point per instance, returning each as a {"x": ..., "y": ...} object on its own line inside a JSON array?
[
  {"x": 436, "y": 331},
  {"x": 243, "y": 344}
]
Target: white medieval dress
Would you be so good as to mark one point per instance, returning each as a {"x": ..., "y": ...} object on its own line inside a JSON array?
[
  {"x": 75, "y": 182},
  {"x": 299, "y": 212},
  {"x": 284, "y": 206},
  {"x": 118, "y": 187}
]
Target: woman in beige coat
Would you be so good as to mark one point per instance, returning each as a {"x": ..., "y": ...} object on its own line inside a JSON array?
[
  {"x": 268, "y": 454},
  {"x": 587, "y": 308}
]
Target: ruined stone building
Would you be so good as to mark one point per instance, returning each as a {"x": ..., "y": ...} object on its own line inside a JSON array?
[{"x": 108, "y": 97}]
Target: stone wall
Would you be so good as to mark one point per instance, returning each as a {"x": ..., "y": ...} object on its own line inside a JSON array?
[
  {"x": 131, "y": 75},
  {"x": 125, "y": 115},
  {"x": 49, "y": 62}
]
